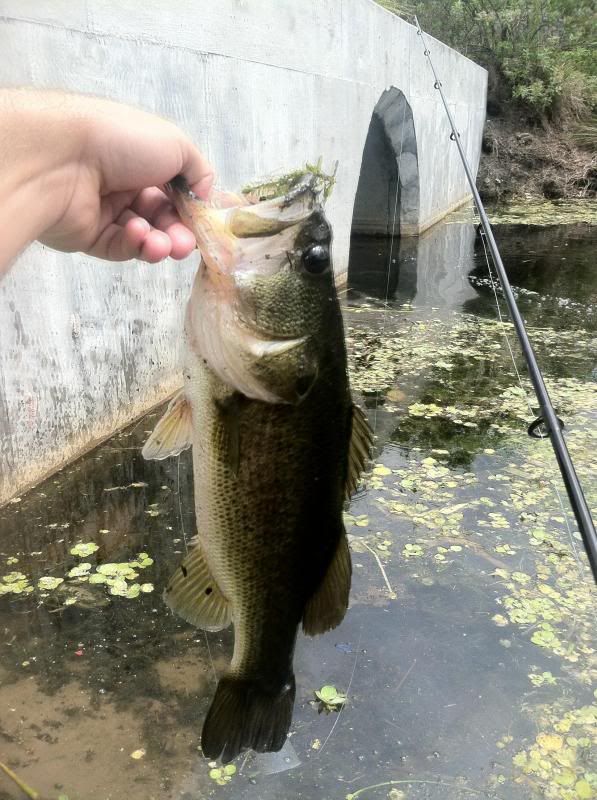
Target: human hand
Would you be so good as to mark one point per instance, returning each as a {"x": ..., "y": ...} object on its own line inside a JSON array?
[{"x": 91, "y": 171}]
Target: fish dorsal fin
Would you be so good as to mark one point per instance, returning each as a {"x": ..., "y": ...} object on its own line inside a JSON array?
[
  {"x": 359, "y": 451},
  {"x": 194, "y": 595},
  {"x": 173, "y": 433},
  {"x": 327, "y": 607}
]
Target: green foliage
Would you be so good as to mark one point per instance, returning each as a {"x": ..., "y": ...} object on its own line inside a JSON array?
[{"x": 539, "y": 53}]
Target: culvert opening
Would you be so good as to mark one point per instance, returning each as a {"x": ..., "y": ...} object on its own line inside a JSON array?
[{"x": 386, "y": 206}]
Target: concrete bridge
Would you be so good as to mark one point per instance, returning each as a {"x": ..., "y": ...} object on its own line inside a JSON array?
[{"x": 261, "y": 86}]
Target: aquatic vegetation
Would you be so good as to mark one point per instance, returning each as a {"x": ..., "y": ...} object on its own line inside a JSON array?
[
  {"x": 15, "y": 583},
  {"x": 330, "y": 699},
  {"x": 535, "y": 212},
  {"x": 48, "y": 583},
  {"x": 80, "y": 571},
  {"x": 84, "y": 549},
  {"x": 279, "y": 185},
  {"x": 545, "y": 678},
  {"x": 117, "y": 577},
  {"x": 466, "y": 525},
  {"x": 221, "y": 775},
  {"x": 458, "y": 499},
  {"x": 560, "y": 761}
]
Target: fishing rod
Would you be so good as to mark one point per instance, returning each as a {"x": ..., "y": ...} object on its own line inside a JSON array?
[{"x": 548, "y": 416}]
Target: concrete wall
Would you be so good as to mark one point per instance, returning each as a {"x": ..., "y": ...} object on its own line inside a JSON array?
[{"x": 260, "y": 85}]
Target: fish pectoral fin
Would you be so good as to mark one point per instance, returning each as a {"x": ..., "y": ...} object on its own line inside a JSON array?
[
  {"x": 173, "y": 433},
  {"x": 194, "y": 595},
  {"x": 327, "y": 607},
  {"x": 359, "y": 450}
]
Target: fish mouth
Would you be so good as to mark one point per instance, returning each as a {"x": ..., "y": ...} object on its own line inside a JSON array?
[
  {"x": 243, "y": 216},
  {"x": 251, "y": 250},
  {"x": 236, "y": 234}
]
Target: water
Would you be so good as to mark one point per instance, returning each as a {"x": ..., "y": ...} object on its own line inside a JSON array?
[{"x": 467, "y": 655}]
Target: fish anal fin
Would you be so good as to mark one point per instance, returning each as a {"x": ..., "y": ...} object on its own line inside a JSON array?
[
  {"x": 327, "y": 607},
  {"x": 194, "y": 595},
  {"x": 360, "y": 448},
  {"x": 173, "y": 433}
]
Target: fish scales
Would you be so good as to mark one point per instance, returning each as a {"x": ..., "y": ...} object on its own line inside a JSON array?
[
  {"x": 270, "y": 530},
  {"x": 277, "y": 446}
]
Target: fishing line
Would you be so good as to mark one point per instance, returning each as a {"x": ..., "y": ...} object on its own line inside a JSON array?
[
  {"x": 548, "y": 415},
  {"x": 552, "y": 481},
  {"x": 337, "y": 720}
]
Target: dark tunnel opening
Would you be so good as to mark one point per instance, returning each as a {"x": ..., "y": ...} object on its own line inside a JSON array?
[{"x": 386, "y": 204}]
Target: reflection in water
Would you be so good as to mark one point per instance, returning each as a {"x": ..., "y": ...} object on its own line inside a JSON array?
[
  {"x": 552, "y": 271},
  {"x": 427, "y": 270},
  {"x": 105, "y": 695}
]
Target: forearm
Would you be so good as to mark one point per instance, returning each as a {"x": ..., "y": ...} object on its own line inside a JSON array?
[{"x": 39, "y": 147}]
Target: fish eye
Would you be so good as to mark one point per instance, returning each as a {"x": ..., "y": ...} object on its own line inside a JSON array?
[{"x": 316, "y": 259}]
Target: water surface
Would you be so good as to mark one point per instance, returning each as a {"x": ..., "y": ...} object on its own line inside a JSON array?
[{"x": 468, "y": 653}]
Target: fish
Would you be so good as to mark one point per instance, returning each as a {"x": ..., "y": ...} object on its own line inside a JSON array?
[{"x": 277, "y": 443}]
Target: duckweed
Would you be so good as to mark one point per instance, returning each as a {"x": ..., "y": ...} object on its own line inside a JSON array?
[
  {"x": 117, "y": 577},
  {"x": 504, "y": 515}
]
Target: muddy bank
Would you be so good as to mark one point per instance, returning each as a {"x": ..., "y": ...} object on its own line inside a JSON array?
[{"x": 522, "y": 161}]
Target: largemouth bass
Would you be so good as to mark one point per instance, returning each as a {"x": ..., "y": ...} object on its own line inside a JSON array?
[{"x": 277, "y": 447}]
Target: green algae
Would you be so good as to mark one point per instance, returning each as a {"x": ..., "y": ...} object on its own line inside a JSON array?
[
  {"x": 535, "y": 212},
  {"x": 280, "y": 185}
]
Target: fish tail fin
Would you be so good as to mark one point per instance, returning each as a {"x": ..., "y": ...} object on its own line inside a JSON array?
[{"x": 244, "y": 714}]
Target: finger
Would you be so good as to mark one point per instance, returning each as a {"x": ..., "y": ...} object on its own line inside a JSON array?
[
  {"x": 136, "y": 239},
  {"x": 120, "y": 243},
  {"x": 154, "y": 206},
  {"x": 203, "y": 187},
  {"x": 183, "y": 240},
  {"x": 150, "y": 202},
  {"x": 156, "y": 247},
  {"x": 197, "y": 170}
]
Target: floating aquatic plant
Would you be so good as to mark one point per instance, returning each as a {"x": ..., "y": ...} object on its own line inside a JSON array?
[
  {"x": 117, "y": 577},
  {"x": 84, "y": 549},
  {"x": 221, "y": 775},
  {"x": 279, "y": 185},
  {"x": 330, "y": 699}
]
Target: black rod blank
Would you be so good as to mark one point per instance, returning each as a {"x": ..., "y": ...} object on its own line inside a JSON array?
[{"x": 554, "y": 431}]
